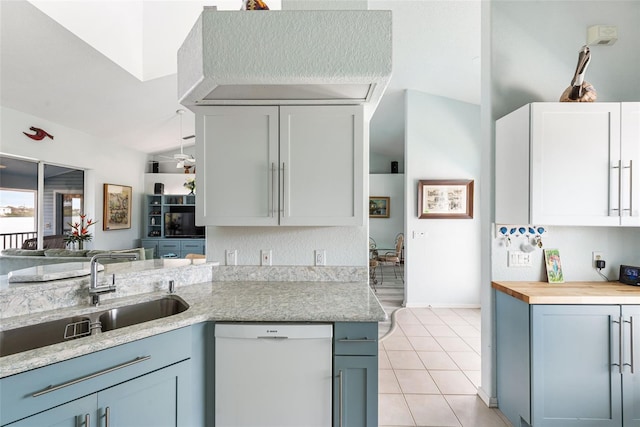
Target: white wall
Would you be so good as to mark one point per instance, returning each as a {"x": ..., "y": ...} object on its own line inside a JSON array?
[
  {"x": 103, "y": 163},
  {"x": 384, "y": 230},
  {"x": 442, "y": 142}
]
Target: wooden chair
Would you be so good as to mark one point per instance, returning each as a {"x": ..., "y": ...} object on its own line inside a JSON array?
[{"x": 393, "y": 258}]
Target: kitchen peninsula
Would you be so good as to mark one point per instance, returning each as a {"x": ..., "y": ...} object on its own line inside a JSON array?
[
  {"x": 566, "y": 353},
  {"x": 175, "y": 349}
]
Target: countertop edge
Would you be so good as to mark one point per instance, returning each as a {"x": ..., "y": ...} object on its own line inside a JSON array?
[{"x": 574, "y": 293}]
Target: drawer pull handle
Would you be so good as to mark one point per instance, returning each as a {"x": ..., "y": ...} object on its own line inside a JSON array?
[
  {"x": 340, "y": 397},
  {"x": 356, "y": 340},
  {"x": 90, "y": 376}
]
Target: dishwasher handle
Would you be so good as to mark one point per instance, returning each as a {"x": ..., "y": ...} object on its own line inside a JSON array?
[{"x": 272, "y": 337}]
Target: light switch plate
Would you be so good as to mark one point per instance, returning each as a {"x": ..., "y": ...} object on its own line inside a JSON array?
[
  {"x": 231, "y": 256},
  {"x": 520, "y": 259}
]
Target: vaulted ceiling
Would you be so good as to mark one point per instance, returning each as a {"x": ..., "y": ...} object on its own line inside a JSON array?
[{"x": 49, "y": 71}]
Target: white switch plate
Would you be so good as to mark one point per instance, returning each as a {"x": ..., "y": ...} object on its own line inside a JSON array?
[
  {"x": 231, "y": 256},
  {"x": 320, "y": 257},
  {"x": 419, "y": 234},
  {"x": 520, "y": 259},
  {"x": 265, "y": 257}
]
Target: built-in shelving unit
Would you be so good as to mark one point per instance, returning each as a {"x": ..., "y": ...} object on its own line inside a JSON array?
[{"x": 168, "y": 241}]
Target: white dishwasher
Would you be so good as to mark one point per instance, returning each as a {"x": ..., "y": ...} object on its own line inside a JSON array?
[{"x": 273, "y": 375}]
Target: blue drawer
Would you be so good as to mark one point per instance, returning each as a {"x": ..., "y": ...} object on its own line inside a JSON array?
[{"x": 353, "y": 338}]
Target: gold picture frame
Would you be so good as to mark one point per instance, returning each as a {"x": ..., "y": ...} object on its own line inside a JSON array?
[
  {"x": 117, "y": 207},
  {"x": 445, "y": 198},
  {"x": 379, "y": 207}
]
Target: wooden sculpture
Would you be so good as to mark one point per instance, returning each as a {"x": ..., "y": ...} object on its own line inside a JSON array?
[{"x": 580, "y": 90}]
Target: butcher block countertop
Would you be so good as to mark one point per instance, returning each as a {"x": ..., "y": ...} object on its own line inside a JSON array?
[{"x": 570, "y": 292}]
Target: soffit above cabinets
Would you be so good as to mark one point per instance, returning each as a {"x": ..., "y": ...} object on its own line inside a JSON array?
[{"x": 286, "y": 57}]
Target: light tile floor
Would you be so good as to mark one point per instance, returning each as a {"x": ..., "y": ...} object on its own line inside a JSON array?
[{"x": 429, "y": 370}]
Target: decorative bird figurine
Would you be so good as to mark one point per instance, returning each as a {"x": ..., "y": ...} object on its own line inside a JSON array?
[
  {"x": 39, "y": 134},
  {"x": 254, "y": 5},
  {"x": 580, "y": 90}
]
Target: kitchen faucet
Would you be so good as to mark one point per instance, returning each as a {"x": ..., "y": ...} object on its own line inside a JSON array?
[{"x": 94, "y": 290}]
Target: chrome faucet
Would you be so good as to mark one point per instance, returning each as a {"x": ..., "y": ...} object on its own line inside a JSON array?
[{"x": 94, "y": 290}]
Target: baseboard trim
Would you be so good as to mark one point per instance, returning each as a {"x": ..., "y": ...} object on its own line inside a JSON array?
[{"x": 491, "y": 402}]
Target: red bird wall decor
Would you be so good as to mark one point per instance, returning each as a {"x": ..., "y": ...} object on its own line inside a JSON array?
[{"x": 39, "y": 134}]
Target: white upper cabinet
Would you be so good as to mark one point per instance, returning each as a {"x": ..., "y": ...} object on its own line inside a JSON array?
[
  {"x": 567, "y": 164},
  {"x": 630, "y": 178},
  {"x": 295, "y": 165}
]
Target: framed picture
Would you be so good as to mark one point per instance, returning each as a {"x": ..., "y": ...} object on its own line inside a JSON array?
[
  {"x": 445, "y": 199},
  {"x": 554, "y": 266},
  {"x": 117, "y": 207},
  {"x": 379, "y": 207}
]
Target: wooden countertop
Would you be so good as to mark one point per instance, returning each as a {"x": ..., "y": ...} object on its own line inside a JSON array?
[{"x": 570, "y": 292}]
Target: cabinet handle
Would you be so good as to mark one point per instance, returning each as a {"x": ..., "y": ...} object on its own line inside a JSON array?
[
  {"x": 273, "y": 188},
  {"x": 620, "y": 364},
  {"x": 630, "y": 208},
  {"x": 630, "y": 322},
  {"x": 284, "y": 192},
  {"x": 90, "y": 376},
  {"x": 619, "y": 167},
  {"x": 107, "y": 417},
  {"x": 340, "y": 397},
  {"x": 356, "y": 340},
  {"x": 87, "y": 420}
]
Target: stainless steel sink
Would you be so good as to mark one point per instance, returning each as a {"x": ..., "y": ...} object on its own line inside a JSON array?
[
  {"x": 17, "y": 340},
  {"x": 42, "y": 334},
  {"x": 143, "y": 312}
]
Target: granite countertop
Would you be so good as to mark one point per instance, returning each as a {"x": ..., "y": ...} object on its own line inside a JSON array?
[
  {"x": 570, "y": 292},
  {"x": 208, "y": 301}
]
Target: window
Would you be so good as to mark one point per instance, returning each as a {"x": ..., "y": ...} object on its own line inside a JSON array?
[{"x": 62, "y": 200}]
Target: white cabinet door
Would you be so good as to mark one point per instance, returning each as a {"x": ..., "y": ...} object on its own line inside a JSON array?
[
  {"x": 299, "y": 166},
  {"x": 321, "y": 156},
  {"x": 575, "y": 153},
  {"x": 630, "y": 178},
  {"x": 236, "y": 161}
]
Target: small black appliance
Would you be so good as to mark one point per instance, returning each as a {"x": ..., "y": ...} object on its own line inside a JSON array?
[
  {"x": 629, "y": 275},
  {"x": 158, "y": 188}
]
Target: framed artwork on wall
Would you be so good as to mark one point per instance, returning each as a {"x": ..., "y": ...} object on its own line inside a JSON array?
[
  {"x": 379, "y": 207},
  {"x": 116, "y": 207},
  {"x": 445, "y": 198}
]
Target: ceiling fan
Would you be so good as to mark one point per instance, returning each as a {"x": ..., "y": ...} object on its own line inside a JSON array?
[{"x": 182, "y": 160}]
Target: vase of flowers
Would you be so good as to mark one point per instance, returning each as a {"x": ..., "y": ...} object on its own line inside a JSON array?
[
  {"x": 190, "y": 184},
  {"x": 79, "y": 232}
]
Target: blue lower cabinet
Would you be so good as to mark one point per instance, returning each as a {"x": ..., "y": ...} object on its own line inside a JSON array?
[
  {"x": 568, "y": 365},
  {"x": 355, "y": 396},
  {"x": 355, "y": 374},
  {"x": 574, "y": 381},
  {"x": 157, "y": 399},
  {"x": 148, "y": 379}
]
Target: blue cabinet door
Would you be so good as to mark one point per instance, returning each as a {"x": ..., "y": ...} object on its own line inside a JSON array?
[
  {"x": 77, "y": 413},
  {"x": 355, "y": 388},
  {"x": 158, "y": 399},
  {"x": 631, "y": 375},
  {"x": 575, "y": 380}
]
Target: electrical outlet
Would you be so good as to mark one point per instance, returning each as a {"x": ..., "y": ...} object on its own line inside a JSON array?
[
  {"x": 265, "y": 257},
  {"x": 232, "y": 256},
  {"x": 520, "y": 259},
  {"x": 596, "y": 256},
  {"x": 321, "y": 257}
]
